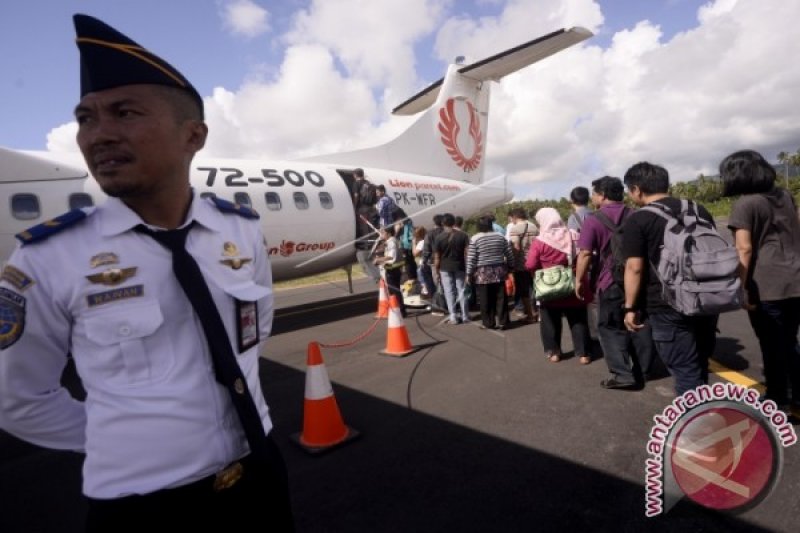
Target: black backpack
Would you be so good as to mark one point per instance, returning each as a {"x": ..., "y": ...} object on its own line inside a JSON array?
[
  {"x": 367, "y": 195},
  {"x": 614, "y": 246},
  {"x": 398, "y": 213}
]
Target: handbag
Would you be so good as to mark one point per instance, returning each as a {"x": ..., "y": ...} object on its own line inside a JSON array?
[{"x": 556, "y": 282}]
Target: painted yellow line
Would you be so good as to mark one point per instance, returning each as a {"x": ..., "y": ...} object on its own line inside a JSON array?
[{"x": 735, "y": 377}]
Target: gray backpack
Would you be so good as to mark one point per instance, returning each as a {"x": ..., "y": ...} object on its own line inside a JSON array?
[{"x": 698, "y": 268}]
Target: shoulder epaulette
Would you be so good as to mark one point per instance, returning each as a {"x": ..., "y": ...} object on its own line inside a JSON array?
[
  {"x": 44, "y": 230},
  {"x": 229, "y": 207}
]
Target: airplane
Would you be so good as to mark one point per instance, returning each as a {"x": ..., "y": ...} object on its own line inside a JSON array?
[{"x": 307, "y": 215}]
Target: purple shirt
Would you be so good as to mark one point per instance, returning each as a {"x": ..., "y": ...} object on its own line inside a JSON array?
[{"x": 595, "y": 236}]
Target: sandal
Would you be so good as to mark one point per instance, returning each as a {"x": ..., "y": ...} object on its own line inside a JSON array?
[
  {"x": 585, "y": 360},
  {"x": 554, "y": 357}
]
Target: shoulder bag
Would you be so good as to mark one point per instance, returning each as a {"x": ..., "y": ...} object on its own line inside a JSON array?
[{"x": 556, "y": 282}]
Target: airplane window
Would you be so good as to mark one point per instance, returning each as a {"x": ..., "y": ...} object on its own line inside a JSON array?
[
  {"x": 273, "y": 201},
  {"x": 25, "y": 206},
  {"x": 80, "y": 199},
  {"x": 207, "y": 195},
  {"x": 300, "y": 200},
  {"x": 326, "y": 200},
  {"x": 242, "y": 198}
]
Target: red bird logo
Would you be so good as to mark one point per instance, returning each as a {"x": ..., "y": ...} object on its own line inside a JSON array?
[
  {"x": 449, "y": 128},
  {"x": 287, "y": 248}
]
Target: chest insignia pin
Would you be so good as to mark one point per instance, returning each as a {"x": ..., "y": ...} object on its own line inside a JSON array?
[
  {"x": 103, "y": 258},
  {"x": 231, "y": 252},
  {"x": 112, "y": 276}
]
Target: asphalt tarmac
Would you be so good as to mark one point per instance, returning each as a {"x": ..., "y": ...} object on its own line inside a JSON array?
[{"x": 474, "y": 431}]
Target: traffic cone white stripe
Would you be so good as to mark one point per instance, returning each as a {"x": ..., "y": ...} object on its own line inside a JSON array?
[
  {"x": 395, "y": 317},
  {"x": 318, "y": 385}
]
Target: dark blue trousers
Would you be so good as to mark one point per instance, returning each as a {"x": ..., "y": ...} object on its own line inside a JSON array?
[{"x": 685, "y": 344}]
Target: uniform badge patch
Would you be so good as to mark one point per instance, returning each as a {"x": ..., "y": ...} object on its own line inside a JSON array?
[
  {"x": 112, "y": 276},
  {"x": 103, "y": 258},
  {"x": 12, "y": 317},
  {"x": 114, "y": 295},
  {"x": 16, "y": 277}
]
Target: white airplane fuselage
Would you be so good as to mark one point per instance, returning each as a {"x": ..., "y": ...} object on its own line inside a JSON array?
[{"x": 306, "y": 210}]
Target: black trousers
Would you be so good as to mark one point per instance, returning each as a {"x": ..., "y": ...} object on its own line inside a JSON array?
[
  {"x": 551, "y": 326},
  {"x": 260, "y": 496},
  {"x": 494, "y": 304},
  {"x": 776, "y": 324},
  {"x": 629, "y": 356},
  {"x": 394, "y": 278}
]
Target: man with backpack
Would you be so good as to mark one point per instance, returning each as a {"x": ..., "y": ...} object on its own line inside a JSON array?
[
  {"x": 627, "y": 354},
  {"x": 679, "y": 272}
]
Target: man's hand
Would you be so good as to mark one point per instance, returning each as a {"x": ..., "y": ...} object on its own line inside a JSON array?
[
  {"x": 746, "y": 305},
  {"x": 578, "y": 286},
  {"x": 630, "y": 322}
]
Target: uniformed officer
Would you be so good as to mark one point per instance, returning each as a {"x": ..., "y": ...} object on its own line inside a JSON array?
[{"x": 164, "y": 333}]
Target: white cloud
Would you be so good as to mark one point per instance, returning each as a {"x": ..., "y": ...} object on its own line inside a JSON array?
[
  {"x": 62, "y": 138},
  {"x": 245, "y": 17}
]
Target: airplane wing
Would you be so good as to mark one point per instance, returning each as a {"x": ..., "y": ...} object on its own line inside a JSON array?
[
  {"x": 20, "y": 166},
  {"x": 499, "y": 65}
]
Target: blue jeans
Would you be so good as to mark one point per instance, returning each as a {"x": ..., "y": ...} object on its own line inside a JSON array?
[
  {"x": 685, "y": 344},
  {"x": 453, "y": 287},
  {"x": 426, "y": 277}
]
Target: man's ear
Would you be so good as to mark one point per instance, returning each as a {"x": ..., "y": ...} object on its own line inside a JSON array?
[{"x": 196, "y": 132}]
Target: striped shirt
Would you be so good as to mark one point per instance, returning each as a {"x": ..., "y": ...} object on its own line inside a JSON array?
[{"x": 488, "y": 248}]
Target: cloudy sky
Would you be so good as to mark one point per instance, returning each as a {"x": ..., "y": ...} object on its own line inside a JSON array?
[{"x": 677, "y": 82}]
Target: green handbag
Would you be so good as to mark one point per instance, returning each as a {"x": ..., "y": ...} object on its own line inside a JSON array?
[{"x": 555, "y": 282}]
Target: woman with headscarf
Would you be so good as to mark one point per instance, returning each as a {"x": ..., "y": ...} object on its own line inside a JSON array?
[
  {"x": 555, "y": 245},
  {"x": 489, "y": 260},
  {"x": 767, "y": 236}
]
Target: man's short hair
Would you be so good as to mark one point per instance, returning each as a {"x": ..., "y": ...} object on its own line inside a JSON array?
[
  {"x": 746, "y": 172},
  {"x": 649, "y": 178},
  {"x": 381, "y": 188},
  {"x": 358, "y": 172},
  {"x": 459, "y": 221},
  {"x": 184, "y": 105},
  {"x": 518, "y": 212},
  {"x": 389, "y": 229},
  {"x": 448, "y": 220},
  {"x": 610, "y": 187},
  {"x": 437, "y": 220},
  {"x": 579, "y": 196}
]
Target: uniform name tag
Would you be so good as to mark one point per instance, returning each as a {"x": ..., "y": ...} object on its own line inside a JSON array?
[
  {"x": 246, "y": 324},
  {"x": 113, "y": 295}
]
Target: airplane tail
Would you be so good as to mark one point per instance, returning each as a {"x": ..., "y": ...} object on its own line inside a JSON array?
[{"x": 449, "y": 139}]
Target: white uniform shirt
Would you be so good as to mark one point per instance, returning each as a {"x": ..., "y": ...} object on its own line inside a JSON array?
[{"x": 154, "y": 416}]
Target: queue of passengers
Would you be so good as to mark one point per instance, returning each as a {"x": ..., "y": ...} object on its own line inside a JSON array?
[{"x": 617, "y": 294}]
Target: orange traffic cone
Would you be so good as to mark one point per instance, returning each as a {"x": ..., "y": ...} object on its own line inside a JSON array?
[
  {"x": 323, "y": 427},
  {"x": 397, "y": 342},
  {"x": 383, "y": 300}
]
